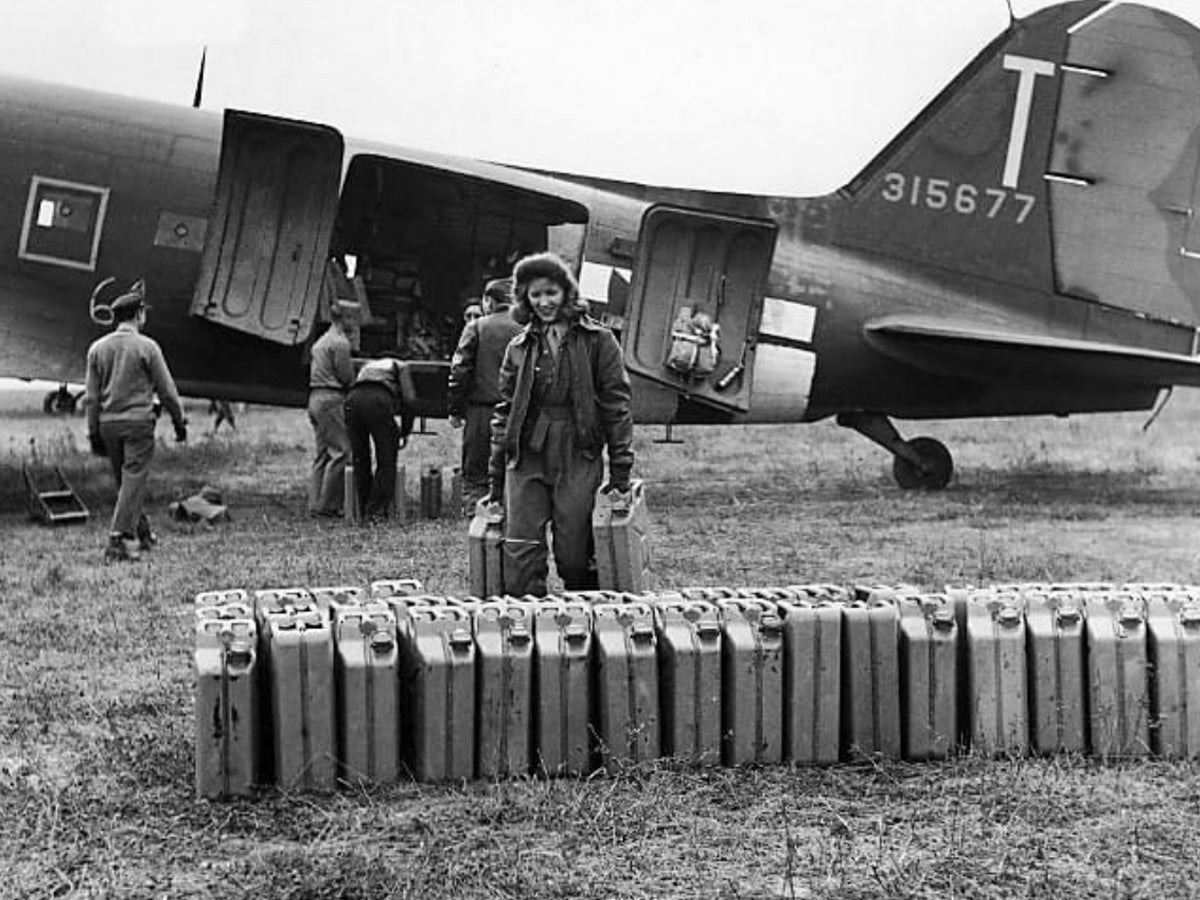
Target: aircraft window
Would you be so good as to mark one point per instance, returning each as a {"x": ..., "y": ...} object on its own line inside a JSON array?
[{"x": 63, "y": 221}]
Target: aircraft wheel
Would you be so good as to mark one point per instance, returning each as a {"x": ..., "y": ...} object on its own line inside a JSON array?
[
  {"x": 56, "y": 403},
  {"x": 935, "y": 469}
]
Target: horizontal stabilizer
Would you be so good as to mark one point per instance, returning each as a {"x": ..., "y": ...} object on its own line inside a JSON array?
[{"x": 986, "y": 353}]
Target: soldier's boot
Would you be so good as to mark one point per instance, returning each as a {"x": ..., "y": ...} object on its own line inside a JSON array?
[{"x": 121, "y": 548}]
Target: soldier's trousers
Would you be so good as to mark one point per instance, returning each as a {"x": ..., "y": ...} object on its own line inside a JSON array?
[
  {"x": 370, "y": 420},
  {"x": 130, "y": 448},
  {"x": 328, "y": 473},
  {"x": 476, "y": 449},
  {"x": 555, "y": 485}
]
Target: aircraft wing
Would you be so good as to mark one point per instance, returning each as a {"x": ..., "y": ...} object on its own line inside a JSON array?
[{"x": 983, "y": 352}]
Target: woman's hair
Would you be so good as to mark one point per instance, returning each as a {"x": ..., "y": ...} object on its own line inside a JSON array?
[{"x": 545, "y": 265}]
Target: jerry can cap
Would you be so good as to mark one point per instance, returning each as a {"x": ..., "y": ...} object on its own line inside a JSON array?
[
  {"x": 381, "y": 641},
  {"x": 1130, "y": 616},
  {"x": 942, "y": 618},
  {"x": 1008, "y": 615},
  {"x": 1068, "y": 614}
]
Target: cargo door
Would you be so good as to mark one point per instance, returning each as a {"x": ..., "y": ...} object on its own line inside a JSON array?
[
  {"x": 277, "y": 193},
  {"x": 693, "y": 268}
]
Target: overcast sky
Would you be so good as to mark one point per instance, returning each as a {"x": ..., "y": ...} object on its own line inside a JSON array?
[{"x": 763, "y": 96}]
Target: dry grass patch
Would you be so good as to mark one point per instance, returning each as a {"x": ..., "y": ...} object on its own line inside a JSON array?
[{"x": 96, "y": 681}]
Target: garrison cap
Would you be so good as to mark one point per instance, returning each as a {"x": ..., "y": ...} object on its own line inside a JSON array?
[{"x": 132, "y": 299}]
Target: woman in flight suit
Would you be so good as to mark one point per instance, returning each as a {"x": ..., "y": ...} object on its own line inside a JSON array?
[{"x": 565, "y": 397}]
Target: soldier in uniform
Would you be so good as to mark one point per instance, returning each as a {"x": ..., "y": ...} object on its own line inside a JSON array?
[
  {"x": 565, "y": 398},
  {"x": 374, "y": 402},
  {"x": 474, "y": 385},
  {"x": 125, "y": 370},
  {"x": 330, "y": 374}
]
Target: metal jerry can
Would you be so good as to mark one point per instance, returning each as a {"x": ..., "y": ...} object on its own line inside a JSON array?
[
  {"x": 227, "y": 740},
  {"x": 282, "y": 600},
  {"x": 620, "y": 529},
  {"x": 394, "y": 587},
  {"x": 871, "y": 677},
  {"x": 626, "y": 689},
  {"x": 689, "y": 655},
  {"x": 752, "y": 680},
  {"x": 997, "y": 685},
  {"x": 928, "y": 675},
  {"x": 303, "y": 723},
  {"x": 485, "y": 543},
  {"x": 1057, "y": 666},
  {"x": 223, "y": 598},
  {"x": 812, "y": 679},
  {"x": 1119, "y": 685},
  {"x": 439, "y": 662},
  {"x": 368, "y": 692},
  {"x": 1173, "y": 621},
  {"x": 431, "y": 493},
  {"x": 562, "y": 676},
  {"x": 329, "y": 599},
  {"x": 504, "y": 689}
]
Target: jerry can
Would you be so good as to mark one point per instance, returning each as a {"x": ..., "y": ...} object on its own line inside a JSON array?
[
  {"x": 562, "y": 676},
  {"x": 812, "y": 678},
  {"x": 401, "y": 503},
  {"x": 330, "y": 599},
  {"x": 439, "y": 665},
  {"x": 485, "y": 545},
  {"x": 752, "y": 683},
  {"x": 829, "y": 593},
  {"x": 228, "y": 610},
  {"x": 620, "y": 530},
  {"x": 871, "y": 677},
  {"x": 928, "y": 676},
  {"x": 395, "y": 587},
  {"x": 626, "y": 687},
  {"x": 401, "y": 606},
  {"x": 1057, "y": 665},
  {"x": 350, "y": 510},
  {"x": 711, "y": 594},
  {"x": 223, "y": 598},
  {"x": 770, "y": 594},
  {"x": 368, "y": 692},
  {"x": 431, "y": 493},
  {"x": 504, "y": 689},
  {"x": 997, "y": 686},
  {"x": 689, "y": 663},
  {"x": 1173, "y": 629},
  {"x": 227, "y": 742},
  {"x": 282, "y": 601},
  {"x": 303, "y": 720},
  {"x": 593, "y": 597},
  {"x": 454, "y": 509},
  {"x": 1118, "y": 681}
]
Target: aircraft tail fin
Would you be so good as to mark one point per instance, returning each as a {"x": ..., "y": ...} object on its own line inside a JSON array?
[{"x": 1064, "y": 159}]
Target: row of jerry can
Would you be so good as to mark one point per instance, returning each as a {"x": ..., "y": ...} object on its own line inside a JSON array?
[
  {"x": 437, "y": 496},
  {"x": 304, "y": 687},
  {"x": 620, "y": 532}
]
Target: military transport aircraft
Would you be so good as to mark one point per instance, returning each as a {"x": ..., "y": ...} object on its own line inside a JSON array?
[{"x": 1028, "y": 245}]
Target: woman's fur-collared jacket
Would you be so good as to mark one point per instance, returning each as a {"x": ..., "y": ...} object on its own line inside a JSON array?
[{"x": 600, "y": 397}]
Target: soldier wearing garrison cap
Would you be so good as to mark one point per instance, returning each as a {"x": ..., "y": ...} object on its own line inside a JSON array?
[{"x": 125, "y": 370}]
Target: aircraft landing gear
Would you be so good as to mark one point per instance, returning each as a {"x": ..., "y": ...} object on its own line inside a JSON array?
[
  {"x": 60, "y": 402},
  {"x": 922, "y": 462}
]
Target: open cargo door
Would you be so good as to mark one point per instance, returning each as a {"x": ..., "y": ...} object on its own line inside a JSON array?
[
  {"x": 277, "y": 194},
  {"x": 696, "y": 269}
]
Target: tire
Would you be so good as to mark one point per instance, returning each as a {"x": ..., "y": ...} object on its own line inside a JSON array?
[
  {"x": 56, "y": 404},
  {"x": 935, "y": 471}
]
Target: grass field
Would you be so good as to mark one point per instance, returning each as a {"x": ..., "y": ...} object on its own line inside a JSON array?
[{"x": 96, "y": 782}]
